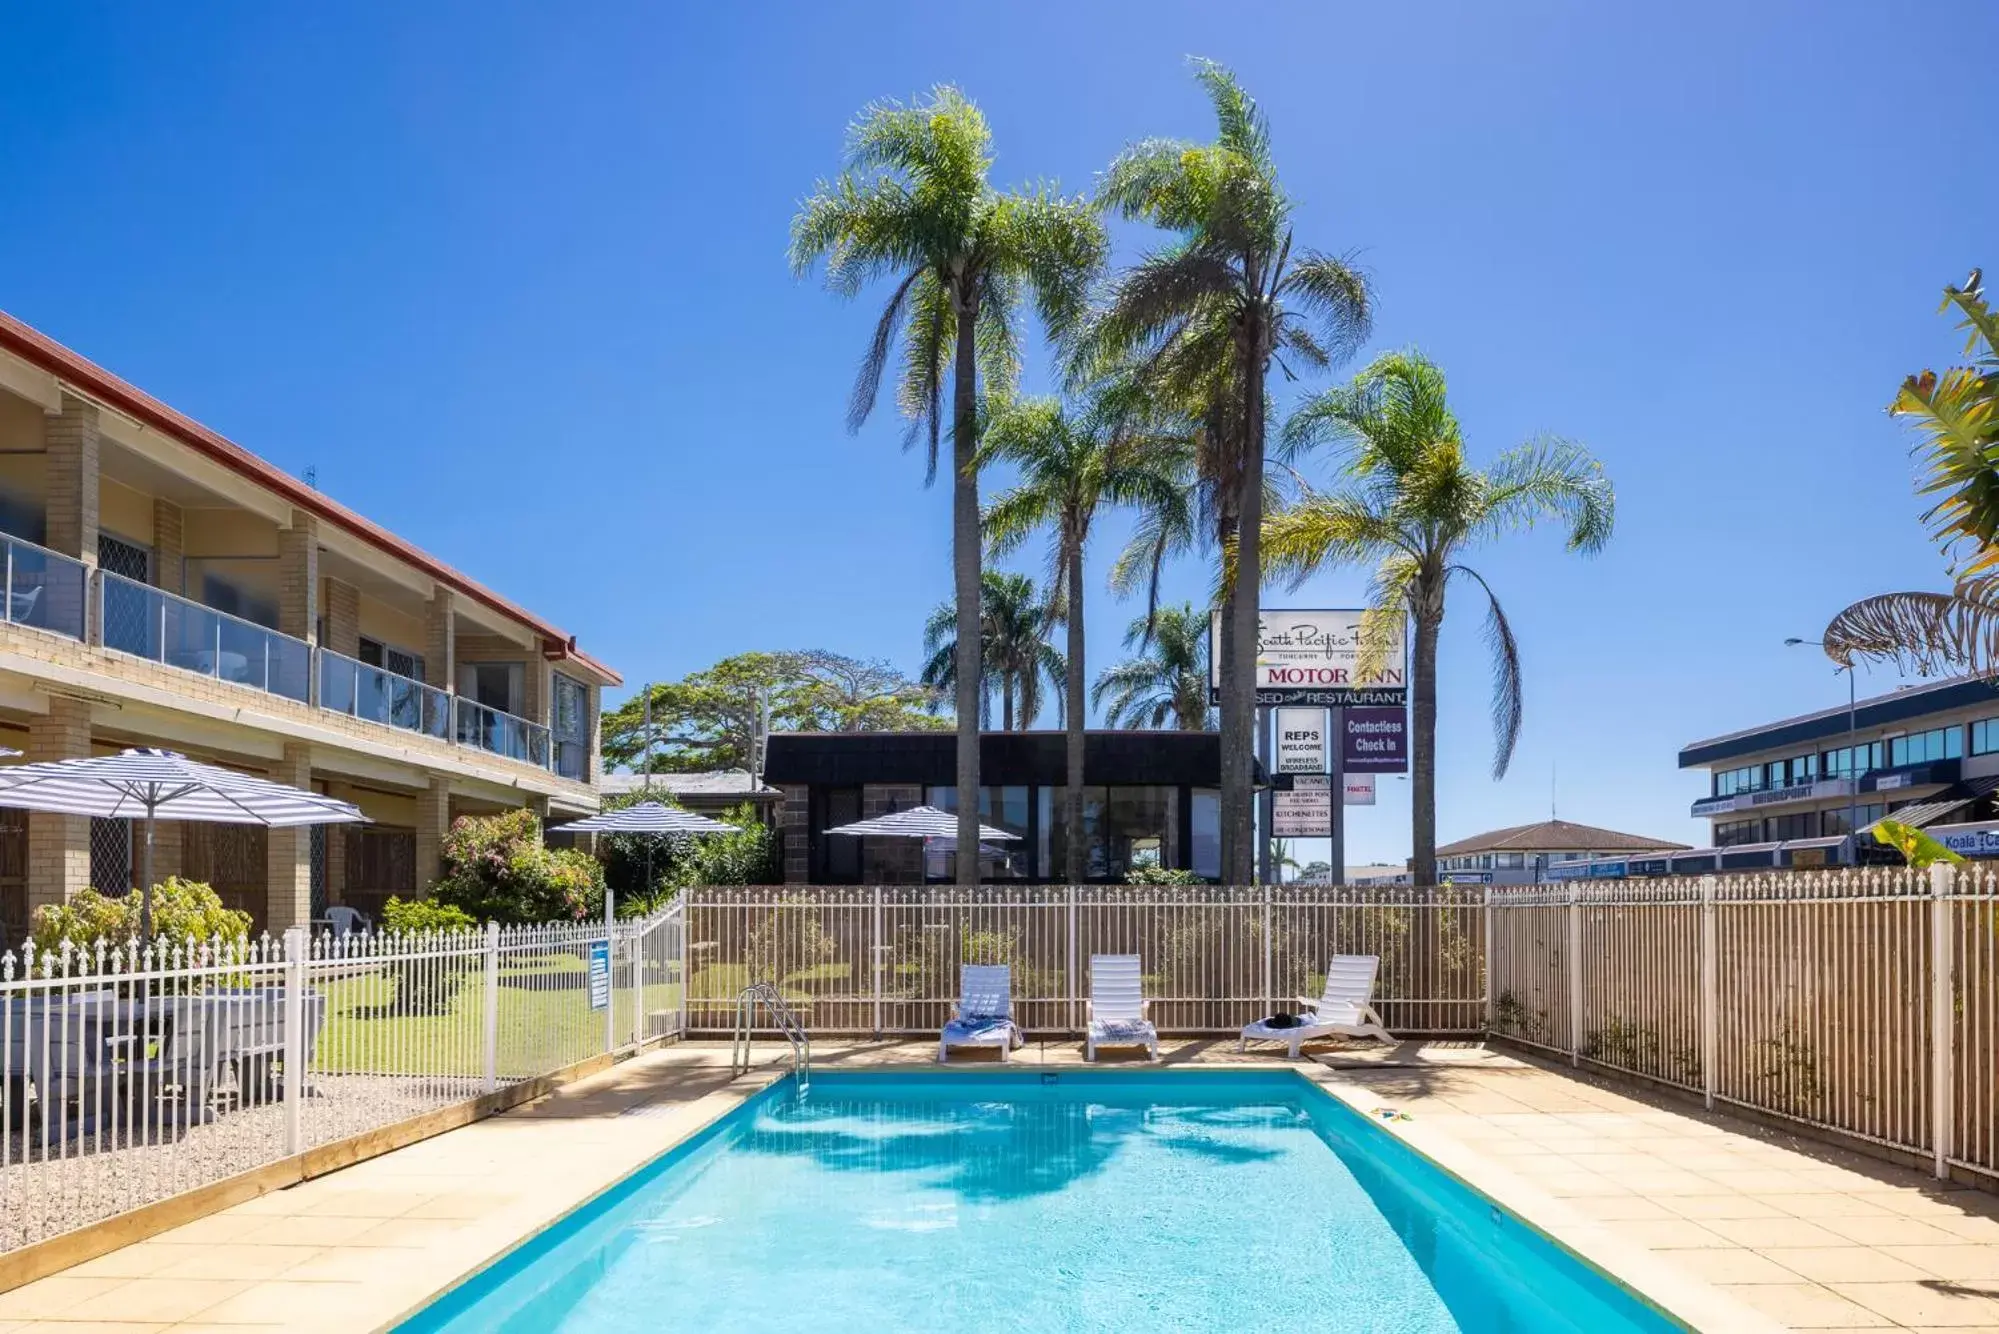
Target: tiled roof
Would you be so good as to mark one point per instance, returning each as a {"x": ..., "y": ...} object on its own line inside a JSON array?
[{"x": 1555, "y": 836}]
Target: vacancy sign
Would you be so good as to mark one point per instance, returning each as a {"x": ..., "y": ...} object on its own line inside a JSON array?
[
  {"x": 1301, "y": 741},
  {"x": 1306, "y": 811},
  {"x": 1359, "y": 789}
]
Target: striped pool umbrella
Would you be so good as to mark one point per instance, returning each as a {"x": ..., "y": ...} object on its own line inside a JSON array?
[
  {"x": 646, "y": 817},
  {"x": 164, "y": 785},
  {"x": 916, "y": 822}
]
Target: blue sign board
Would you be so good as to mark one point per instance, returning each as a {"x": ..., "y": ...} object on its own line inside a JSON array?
[{"x": 600, "y": 974}]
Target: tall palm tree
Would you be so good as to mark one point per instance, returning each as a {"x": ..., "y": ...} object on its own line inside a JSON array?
[
  {"x": 1168, "y": 681},
  {"x": 1956, "y": 417},
  {"x": 1204, "y": 317},
  {"x": 1108, "y": 451},
  {"x": 1413, "y": 508},
  {"x": 1016, "y": 659},
  {"x": 915, "y": 204}
]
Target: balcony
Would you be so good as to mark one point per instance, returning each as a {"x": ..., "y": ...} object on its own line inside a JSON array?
[
  {"x": 45, "y": 589},
  {"x": 151, "y": 623},
  {"x": 488, "y": 729},
  {"x": 382, "y": 696}
]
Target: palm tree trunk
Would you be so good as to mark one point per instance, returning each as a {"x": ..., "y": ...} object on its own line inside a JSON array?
[
  {"x": 1072, "y": 795},
  {"x": 1006, "y": 701},
  {"x": 966, "y": 553},
  {"x": 1423, "y": 742},
  {"x": 1245, "y": 604}
]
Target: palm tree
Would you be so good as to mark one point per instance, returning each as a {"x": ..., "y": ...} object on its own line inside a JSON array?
[
  {"x": 1072, "y": 463},
  {"x": 1015, "y": 655},
  {"x": 1204, "y": 317},
  {"x": 915, "y": 203},
  {"x": 1412, "y": 507},
  {"x": 1956, "y": 416},
  {"x": 1168, "y": 681}
]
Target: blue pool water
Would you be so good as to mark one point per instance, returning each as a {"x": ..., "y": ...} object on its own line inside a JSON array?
[{"x": 1036, "y": 1201}]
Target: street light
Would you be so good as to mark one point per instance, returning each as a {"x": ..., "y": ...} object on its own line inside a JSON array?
[{"x": 1852, "y": 751}]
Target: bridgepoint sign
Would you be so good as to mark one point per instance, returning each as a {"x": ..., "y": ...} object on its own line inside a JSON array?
[{"x": 1313, "y": 658}]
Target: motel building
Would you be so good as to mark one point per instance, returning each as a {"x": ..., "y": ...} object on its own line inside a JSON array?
[
  {"x": 166, "y": 587},
  {"x": 1788, "y": 793},
  {"x": 1150, "y": 799}
]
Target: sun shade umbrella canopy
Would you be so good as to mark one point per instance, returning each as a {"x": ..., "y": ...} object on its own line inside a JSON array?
[
  {"x": 916, "y": 822},
  {"x": 646, "y": 817},
  {"x": 164, "y": 785}
]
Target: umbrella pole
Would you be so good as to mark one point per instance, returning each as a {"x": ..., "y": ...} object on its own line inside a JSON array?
[{"x": 146, "y": 887}]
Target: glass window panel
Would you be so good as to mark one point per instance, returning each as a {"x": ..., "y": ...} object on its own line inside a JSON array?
[{"x": 1207, "y": 833}]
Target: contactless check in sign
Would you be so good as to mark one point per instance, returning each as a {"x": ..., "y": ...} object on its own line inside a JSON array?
[{"x": 1314, "y": 657}]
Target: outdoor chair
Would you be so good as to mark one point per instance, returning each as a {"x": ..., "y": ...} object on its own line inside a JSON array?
[
  {"x": 344, "y": 921},
  {"x": 1344, "y": 1010},
  {"x": 1117, "y": 1006},
  {"x": 983, "y": 1014}
]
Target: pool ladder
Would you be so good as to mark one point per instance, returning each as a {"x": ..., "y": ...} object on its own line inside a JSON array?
[{"x": 787, "y": 1023}]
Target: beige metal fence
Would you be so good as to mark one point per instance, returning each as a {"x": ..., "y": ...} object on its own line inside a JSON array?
[
  {"x": 1861, "y": 1002},
  {"x": 885, "y": 960}
]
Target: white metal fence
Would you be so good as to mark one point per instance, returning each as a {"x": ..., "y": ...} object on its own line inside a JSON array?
[
  {"x": 129, "y": 1076},
  {"x": 1861, "y": 1002},
  {"x": 885, "y": 959}
]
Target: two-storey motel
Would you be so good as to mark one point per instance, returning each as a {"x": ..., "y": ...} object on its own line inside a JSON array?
[
  {"x": 1789, "y": 792},
  {"x": 165, "y": 587}
]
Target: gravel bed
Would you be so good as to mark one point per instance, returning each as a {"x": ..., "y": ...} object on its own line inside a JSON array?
[{"x": 106, "y": 1174}]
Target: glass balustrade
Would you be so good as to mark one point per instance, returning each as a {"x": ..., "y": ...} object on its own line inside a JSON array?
[
  {"x": 151, "y": 623},
  {"x": 501, "y": 733},
  {"x": 45, "y": 589},
  {"x": 382, "y": 696}
]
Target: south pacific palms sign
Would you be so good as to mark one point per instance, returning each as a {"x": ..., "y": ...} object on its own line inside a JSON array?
[{"x": 1315, "y": 658}]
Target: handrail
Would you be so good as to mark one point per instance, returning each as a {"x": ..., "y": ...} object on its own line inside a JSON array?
[
  {"x": 498, "y": 732},
  {"x": 787, "y": 1024},
  {"x": 378, "y": 695},
  {"x": 34, "y": 593}
]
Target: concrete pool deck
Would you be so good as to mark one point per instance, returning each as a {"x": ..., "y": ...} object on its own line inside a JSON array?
[{"x": 1717, "y": 1218}]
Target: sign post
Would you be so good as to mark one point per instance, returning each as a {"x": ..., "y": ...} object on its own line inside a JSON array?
[{"x": 1336, "y": 783}]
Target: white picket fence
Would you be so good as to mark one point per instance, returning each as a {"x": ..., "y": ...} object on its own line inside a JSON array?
[
  {"x": 1865, "y": 1003},
  {"x": 131, "y": 1076}
]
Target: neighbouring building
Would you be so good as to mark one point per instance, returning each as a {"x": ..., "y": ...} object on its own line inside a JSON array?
[
  {"x": 1153, "y": 799},
  {"x": 166, "y": 587},
  {"x": 1790, "y": 792},
  {"x": 710, "y": 792},
  {"x": 1528, "y": 854}
]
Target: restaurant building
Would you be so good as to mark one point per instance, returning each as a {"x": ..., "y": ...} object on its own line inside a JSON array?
[
  {"x": 163, "y": 586},
  {"x": 1153, "y": 799}
]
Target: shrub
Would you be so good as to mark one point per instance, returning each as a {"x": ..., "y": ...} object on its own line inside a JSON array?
[
  {"x": 1160, "y": 875},
  {"x": 183, "y": 910},
  {"x": 405, "y": 916},
  {"x": 497, "y": 870}
]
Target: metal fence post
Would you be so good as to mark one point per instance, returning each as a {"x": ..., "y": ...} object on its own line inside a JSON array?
[
  {"x": 1073, "y": 988},
  {"x": 1710, "y": 998},
  {"x": 1943, "y": 878},
  {"x": 294, "y": 1073},
  {"x": 611, "y": 968},
  {"x": 1485, "y": 955},
  {"x": 876, "y": 958},
  {"x": 1269, "y": 956},
  {"x": 492, "y": 1008},
  {"x": 1575, "y": 974}
]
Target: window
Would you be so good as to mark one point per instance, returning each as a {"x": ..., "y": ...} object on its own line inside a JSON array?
[
  {"x": 1511, "y": 861},
  {"x": 1123, "y": 828},
  {"x": 1985, "y": 736},
  {"x": 1803, "y": 825},
  {"x": 1003, "y": 808},
  {"x": 1942, "y": 743},
  {"x": 570, "y": 724},
  {"x": 1852, "y": 761},
  {"x": 497, "y": 685},
  {"x": 1729, "y": 833},
  {"x": 1207, "y": 836},
  {"x": 1729, "y": 782},
  {"x": 1833, "y": 822},
  {"x": 391, "y": 659}
]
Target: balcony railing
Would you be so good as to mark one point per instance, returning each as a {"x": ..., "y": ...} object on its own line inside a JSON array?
[
  {"x": 45, "y": 589},
  {"x": 501, "y": 733},
  {"x": 382, "y": 696},
  {"x": 51, "y": 591},
  {"x": 151, "y": 623}
]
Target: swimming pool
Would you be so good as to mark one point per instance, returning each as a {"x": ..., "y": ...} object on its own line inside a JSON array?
[{"x": 1027, "y": 1200}]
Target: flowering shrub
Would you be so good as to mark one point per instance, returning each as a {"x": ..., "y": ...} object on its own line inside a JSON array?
[
  {"x": 407, "y": 916},
  {"x": 496, "y": 870},
  {"x": 182, "y": 910}
]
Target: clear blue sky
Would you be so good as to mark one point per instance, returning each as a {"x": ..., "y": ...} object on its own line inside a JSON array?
[{"x": 514, "y": 282}]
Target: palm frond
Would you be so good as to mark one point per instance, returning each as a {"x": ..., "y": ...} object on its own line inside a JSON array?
[
  {"x": 1506, "y": 694},
  {"x": 1551, "y": 478},
  {"x": 867, "y": 383},
  {"x": 1921, "y": 633}
]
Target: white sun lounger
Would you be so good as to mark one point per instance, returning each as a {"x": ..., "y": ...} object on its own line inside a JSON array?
[
  {"x": 983, "y": 1015},
  {"x": 1117, "y": 1007},
  {"x": 1344, "y": 1011}
]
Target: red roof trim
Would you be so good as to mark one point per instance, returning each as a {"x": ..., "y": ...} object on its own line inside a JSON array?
[{"x": 58, "y": 360}]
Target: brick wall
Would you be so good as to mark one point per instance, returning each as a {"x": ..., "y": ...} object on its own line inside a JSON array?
[
  {"x": 794, "y": 824},
  {"x": 288, "y": 852},
  {"x": 440, "y": 641},
  {"x": 169, "y": 547},
  {"x": 71, "y": 440},
  {"x": 433, "y": 820},
  {"x": 343, "y": 617},
  {"x": 58, "y": 845},
  {"x": 298, "y": 577}
]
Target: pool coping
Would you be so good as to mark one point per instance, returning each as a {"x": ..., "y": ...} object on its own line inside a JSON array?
[{"x": 1656, "y": 1282}]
